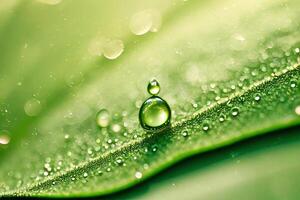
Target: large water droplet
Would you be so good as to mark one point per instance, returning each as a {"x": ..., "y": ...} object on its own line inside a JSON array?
[
  {"x": 103, "y": 118},
  {"x": 155, "y": 114}
]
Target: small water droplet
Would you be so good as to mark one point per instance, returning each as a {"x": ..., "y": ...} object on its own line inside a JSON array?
[
  {"x": 109, "y": 141},
  {"x": 256, "y": 97},
  {"x": 293, "y": 83},
  {"x": 205, "y": 126},
  {"x": 90, "y": 151},
  {"x": 67, "y": 136},
  {"x": 103, "y": 118},
  {"x": 235, "y": 111},
  {"x": 119, "y": 160},
  {"x": 99, "y": 172},
  {"x": 113, "y": 48},
  {"x": 32, "y": 107},
  {"x": 85, "y": 175},
  {"x": 108, "y": 169},
  {"x": 222, "y": 117},
  {"x": 116, "y": 128},
  {"x": 153, "y": 87},
  {"x": 185, "y": 133},
  {"x": 141, "y": 22},
  {"x": 138, "y": 175},
  {"x": 297, "y": 50},
  {"x": 4, "y": 139},
  {"x": 154, "y": 148}
]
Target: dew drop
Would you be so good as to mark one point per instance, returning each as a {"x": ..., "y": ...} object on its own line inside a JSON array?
[
  {"x": 99, "y": 172},
  {"x": 90, "y": 151},
  {"x": 293, "y": 83},
  {"x": 103, "y": 118},
  {"x": 155, "y": 114},
  {"x": 222, "y": 118},
  {"x": 109, "y": 141},
  {"x": 138, "y": 175},
  {"x": 113, "y": 48},
  {"x": 116, "y": 128},
  {"x": 235, "y": 111},
  {"x": 85, "y": 175},
  {"x": 32, "y": 107},
  {"x": 256, "y": 97},
  {"x": 154, "y": 148},
  {"x": 4, "y": 139},
  {"x": 119, "y": 160},
  {"x": 153, "y": 87},
  {"x": 185, "y": 133},
  {"x": 297, "y": 50},
  {"x": 141, "y": 22},
  {"x": 205, "y": 126}
]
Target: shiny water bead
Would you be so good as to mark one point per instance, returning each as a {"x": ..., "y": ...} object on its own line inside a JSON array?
[
  {"x": 155, "y": 113},
  {"x": 103, "y": 118},
  {"x": 153, "y": 87}
]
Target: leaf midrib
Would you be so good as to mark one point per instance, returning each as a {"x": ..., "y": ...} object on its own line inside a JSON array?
[{"x": 175, "y": 125}]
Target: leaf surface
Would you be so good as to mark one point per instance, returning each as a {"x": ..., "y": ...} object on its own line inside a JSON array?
[{"x": 227, "y": 71}]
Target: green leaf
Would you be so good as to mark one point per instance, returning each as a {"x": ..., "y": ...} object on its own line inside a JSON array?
[
  {"x": 228, "y": 73},
  {"x": 264, "y": 167}
]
